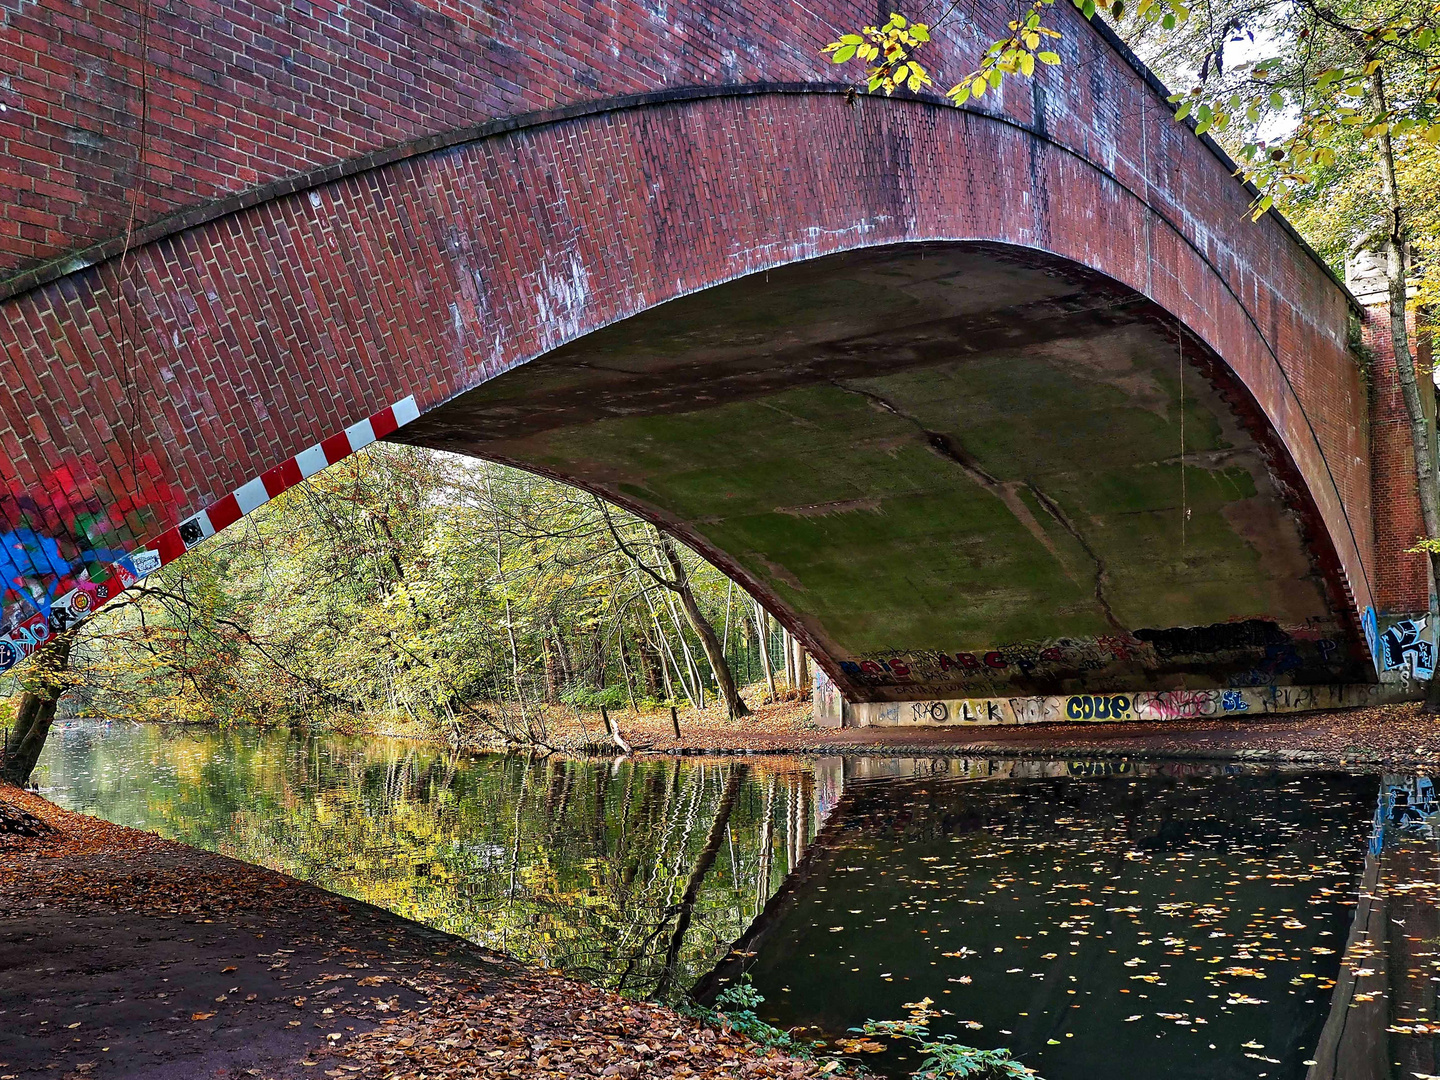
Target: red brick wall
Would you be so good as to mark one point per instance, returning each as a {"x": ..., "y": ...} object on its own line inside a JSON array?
[
  {"x": 230, "y": 345},
  {"x": 242, "y": 92},
  {"x": 1402, "y": 580}
]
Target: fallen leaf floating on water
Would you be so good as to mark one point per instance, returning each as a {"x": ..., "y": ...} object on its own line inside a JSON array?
[{"x": 861, "y": 1046}]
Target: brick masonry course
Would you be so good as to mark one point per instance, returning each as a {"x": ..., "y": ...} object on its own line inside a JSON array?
[{"x": 136, "y": 391}]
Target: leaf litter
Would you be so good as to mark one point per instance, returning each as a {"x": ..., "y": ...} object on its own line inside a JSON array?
[{"x": 443, "y": 1008}]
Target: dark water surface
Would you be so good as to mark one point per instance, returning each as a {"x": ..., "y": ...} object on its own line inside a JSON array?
[
  {"x": 1192, "y": 923},
  {"x": 1099, "y": 920}
]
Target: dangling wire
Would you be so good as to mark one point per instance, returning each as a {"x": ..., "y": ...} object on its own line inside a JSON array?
[{"x": 1184, "y": 506}]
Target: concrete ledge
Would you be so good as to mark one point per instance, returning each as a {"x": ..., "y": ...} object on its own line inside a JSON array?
[{"x": 1234, "y": 703}]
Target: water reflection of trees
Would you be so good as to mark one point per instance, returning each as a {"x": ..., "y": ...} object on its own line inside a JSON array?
[{"x": 614, "y": 872}]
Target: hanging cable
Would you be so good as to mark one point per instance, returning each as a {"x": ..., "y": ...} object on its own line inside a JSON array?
[{"x": 1184, "y": 505}]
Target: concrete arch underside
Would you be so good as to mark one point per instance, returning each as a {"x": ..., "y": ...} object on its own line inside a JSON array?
[{"x": 914, "y": 374}]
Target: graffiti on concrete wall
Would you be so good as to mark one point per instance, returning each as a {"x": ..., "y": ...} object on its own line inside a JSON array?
[
  {"x": 1162, "y": 705},
  {"x": 1097, "y": 707},
  {"x": 1407, "y": 645},
  {"x": 1371, "y": 627},
  {"x": 1167, "y": 705}
]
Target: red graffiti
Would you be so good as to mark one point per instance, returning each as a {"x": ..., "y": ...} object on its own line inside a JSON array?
[{"x": 1182, "y": 704}]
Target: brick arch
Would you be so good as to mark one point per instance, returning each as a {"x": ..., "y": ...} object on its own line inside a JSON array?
[{"x": 256, "y": 337}]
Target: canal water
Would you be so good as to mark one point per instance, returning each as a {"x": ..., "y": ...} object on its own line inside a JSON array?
[{"x": 1098, "y": 919}]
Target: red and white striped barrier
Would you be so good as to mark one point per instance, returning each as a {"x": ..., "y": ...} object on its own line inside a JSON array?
[
  {"x": 19, "y": 641},
  {"x": 170, "y": 545}
]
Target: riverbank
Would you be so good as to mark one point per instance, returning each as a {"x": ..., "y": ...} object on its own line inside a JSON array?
[
  {"x": 1382, "y": 735},
  {"x": 123, "y": 954}
]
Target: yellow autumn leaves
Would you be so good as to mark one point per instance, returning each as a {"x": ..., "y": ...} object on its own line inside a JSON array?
[
  {"x": 890, "y": 52},
  {"x": 1014, "y": 55}
]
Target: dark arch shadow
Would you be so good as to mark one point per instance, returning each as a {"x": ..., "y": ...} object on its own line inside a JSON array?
[{"x": 952, "y": 469}]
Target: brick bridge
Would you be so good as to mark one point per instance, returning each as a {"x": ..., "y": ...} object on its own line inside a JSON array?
[{"x": 1002, "y": 401}]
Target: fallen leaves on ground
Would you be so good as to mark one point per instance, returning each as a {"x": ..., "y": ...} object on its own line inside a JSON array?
[
  {"x": 474, "y": 1012},
  {"x": 543, "y": 1026}
]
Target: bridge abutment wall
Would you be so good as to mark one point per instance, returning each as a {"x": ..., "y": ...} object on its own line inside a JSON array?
[
  {"x": 1402, "y": 577},
  {"x": 1237, "y": 704}
]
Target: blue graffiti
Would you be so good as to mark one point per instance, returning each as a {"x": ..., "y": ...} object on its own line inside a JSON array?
[
  {"x": 1372, "y": 637},
  {"x": 1233, "y": 701},
  {"x": 28, "y": 557},
  {"x": 1404, "y": 645}
]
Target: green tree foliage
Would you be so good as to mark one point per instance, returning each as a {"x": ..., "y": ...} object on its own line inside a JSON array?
[{"x": 409, "y": 584}]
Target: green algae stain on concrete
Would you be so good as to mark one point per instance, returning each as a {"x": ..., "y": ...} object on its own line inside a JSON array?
[
  {"x": 936, "y": 455},
  {"x": 835, "y": 495}
]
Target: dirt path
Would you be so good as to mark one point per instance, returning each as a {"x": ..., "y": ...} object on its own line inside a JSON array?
[{"x": 122, "y": 954}]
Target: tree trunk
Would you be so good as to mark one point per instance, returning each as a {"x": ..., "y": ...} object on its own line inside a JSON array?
[
  {"x": 703, "y": 862},
  {"x": 762, "y": 637},
  {"x": 43, "y": 687},
  {"x": 802, "y": 665},
  {"x": 562, "y": 656},
  {"x": 709, "y": 641},
  {"x": 650, "y": 662},
  {"x": 552, "y": 693},
  {"x": 29, "y": 706},
  {"x": 1405, "y": 368},
  {"x": 625, "y": 671}
]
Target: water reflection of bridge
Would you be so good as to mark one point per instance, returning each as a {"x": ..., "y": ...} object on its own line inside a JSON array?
[{"x": 1383, "y": 1018}]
